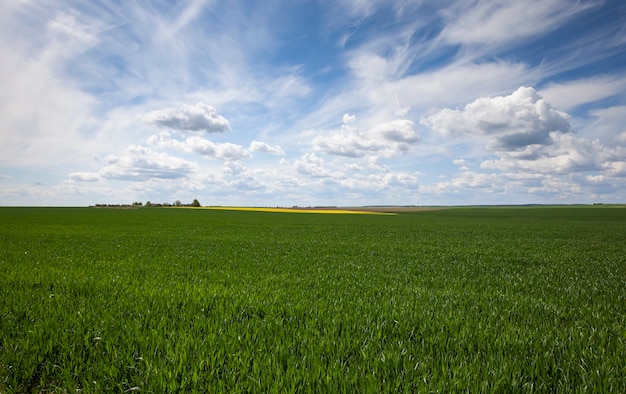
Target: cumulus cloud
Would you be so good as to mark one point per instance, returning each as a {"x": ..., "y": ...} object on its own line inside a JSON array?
[
  {"x": 400, "y": 131},
  {"x": 616, "y": 168},
  {"x": 312, "y": 165},
  {"x": 534, "y": 150},
  {"x": 337, "y": 177},
  {"x": 385, "y": 139},
  {"x": 348, "y": 142},
  {"x": 568, "y": 154},
  {"x": 189, "y": 118},
  {"x": 511, "y": 123},
  {"x": 348, "y": 118},
  {"x": 461, "y": 163},
  {"x": 141, "y": 164},
  {"x": 257, "y": 146},
  {"x": 84, "y": 176},
  {"x": 211, "y": 150}
]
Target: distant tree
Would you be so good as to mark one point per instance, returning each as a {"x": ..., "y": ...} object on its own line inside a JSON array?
[
  {"x": 177, "y": 203},
  {"x": 195, "y": 203},
  {"x": 148, "y": 204}
]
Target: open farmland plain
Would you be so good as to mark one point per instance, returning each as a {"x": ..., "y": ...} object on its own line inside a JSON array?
[{"x": 516, "y": 299}]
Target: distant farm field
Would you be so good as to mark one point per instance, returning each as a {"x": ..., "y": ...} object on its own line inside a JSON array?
[
  {"x": 301, "y": 210},
  {"x": 507, "y": 299}
]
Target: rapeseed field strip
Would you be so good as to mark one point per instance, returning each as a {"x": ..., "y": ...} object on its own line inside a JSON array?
[
  {"x": 302, "y": 210},
  {"x": 516, "y": 299}
]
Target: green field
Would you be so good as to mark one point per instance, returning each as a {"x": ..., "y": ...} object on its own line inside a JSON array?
[{"x": 517, "y": 299}]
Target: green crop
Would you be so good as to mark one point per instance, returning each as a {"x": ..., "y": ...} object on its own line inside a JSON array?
[{"x": 518, "y": 299}]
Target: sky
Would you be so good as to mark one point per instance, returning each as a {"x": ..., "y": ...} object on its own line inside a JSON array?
[{"x": 311, "y": 103}]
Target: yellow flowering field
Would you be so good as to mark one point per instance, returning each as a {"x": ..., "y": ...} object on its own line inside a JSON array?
[{"x": 301, "y": 210}]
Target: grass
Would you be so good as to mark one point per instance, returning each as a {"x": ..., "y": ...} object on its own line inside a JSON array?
[{"x": 524, "y": 299}]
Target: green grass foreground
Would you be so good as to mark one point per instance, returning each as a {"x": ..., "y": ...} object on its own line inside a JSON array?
[{"x": 517, "y": 299}]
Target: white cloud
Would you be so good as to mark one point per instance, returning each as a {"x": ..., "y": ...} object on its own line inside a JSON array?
[
  {"x": 141, "y": 164},
  {"x": 616, "y": 168},
  {"x": 286, "y": 86},
  {"x": 399, "y": 131},
  {"x": 66, "y": 24},
  {"x": 360, "y": 8},
  {"x": 472, "y": 187},
  {"x": 312, "y": 165},
  {"x": 211, "y": 150},
  {"x": 347, "y": 142},
  {"x": 43, "y": 119},
  {"x": 348, "y": 118},
  {"x": 568, "y": 95},
  {"x": 187, "y": 15},
  {"x": 461, "y": 163},
  {"x": 223, "y": 151},
  {"x": 607, "y": 124},
  {"x": 533, "y": 147},
  {"x": 385, "y": 139},
  {"x": 511, "y": 123},
  {"x": 378, "y": 96},
  {"x": 485, "y": 22},
  {"x": 344, "y": 181},
  {"x": 199, "y": 117},
  {"x": 551, "y": 186},
  {"x": 84, "y": 176},
  {"x": 568, "y": 154},
  {"x": 258, "y": 146}
]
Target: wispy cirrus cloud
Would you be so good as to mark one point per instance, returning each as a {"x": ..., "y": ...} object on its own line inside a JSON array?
[
  {"x": 485, "y": 23},
  {"x": 571, "y": 94}
]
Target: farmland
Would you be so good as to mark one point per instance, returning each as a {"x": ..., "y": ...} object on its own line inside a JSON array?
[{"x": 515, "y": 299}]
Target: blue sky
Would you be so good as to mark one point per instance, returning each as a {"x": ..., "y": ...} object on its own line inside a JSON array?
[{"x": 279, "y": 103}]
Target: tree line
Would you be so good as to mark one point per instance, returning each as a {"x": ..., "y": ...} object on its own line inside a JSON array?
[
  {"x": 136, "y": 204},
  {"x": 176, "y": 203}
]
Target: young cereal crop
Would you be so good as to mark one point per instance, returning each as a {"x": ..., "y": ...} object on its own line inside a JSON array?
[{"x": 519, "y": 299}]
